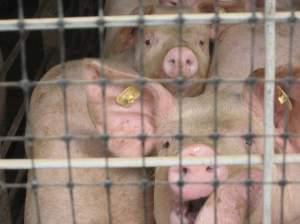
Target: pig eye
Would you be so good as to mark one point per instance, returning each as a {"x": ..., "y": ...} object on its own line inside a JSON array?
[
  {"x": 201, "y": 42},
  {"x": 166, "y": 144},
  {"x": 148, "y": 42}
]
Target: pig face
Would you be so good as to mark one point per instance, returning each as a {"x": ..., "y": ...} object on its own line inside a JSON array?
[
  {"x": 165, "y": 55},
  {"x": 232, "y": 122}
]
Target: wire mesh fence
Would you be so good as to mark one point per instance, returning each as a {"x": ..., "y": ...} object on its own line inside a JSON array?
[{"x": 170, "y": 112}]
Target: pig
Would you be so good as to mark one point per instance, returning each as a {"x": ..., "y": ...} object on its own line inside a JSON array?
[
  {"x": 162, "y": 54},
  {"x": 196, "y": 196},
  {"x": 232, "y": 61},
  {"x": 2, "y": 97},
  {"x": 227, "y": 53},
  {"x": 89, "y": 198}
]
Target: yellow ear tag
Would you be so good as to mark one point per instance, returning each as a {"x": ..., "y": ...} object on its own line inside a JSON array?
[
  {"x": 284, "y": 98},
  {"x": 128, "y": 96}
]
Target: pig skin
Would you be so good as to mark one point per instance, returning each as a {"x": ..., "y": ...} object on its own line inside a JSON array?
[
  {"x": 232, "y": 120},
  {"x": 53, "y": 204}
]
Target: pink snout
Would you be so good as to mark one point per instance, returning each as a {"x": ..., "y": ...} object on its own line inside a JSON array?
[
  {"x": 191, "y": 174},
  {"x": 180, "y": 59}
]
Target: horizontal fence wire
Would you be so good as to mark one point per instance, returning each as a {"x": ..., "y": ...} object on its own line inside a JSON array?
[
  {"x": 148, "y": 20},
  {"x": 143, "y": 162}
]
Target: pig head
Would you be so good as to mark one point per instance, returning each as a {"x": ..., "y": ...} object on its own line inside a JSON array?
[
  {"x": 85, "y": 111},
  {"x": 185, "y": 194},
  {"x": 167, "y": 52}
]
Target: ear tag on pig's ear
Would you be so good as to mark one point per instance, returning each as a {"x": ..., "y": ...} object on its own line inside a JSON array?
[
  {"x": 284, "y": 98},
  {"x": 128, "y": 96}
]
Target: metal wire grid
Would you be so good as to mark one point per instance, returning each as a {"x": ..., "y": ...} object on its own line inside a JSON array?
[{"x": 61, "y": 23}]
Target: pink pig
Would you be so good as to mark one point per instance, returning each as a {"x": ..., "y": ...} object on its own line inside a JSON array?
[
  {"x": 88, "y": 198},
  {"x": 194, "y": 202}
]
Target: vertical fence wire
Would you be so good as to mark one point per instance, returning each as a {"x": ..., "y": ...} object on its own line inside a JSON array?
[
  {"x": 63, "y": 86},
  {"x": 103, "y": 83},
  {"x": 25, "y": 87},
  {"x": 142, "y": 137},
  {"x": 215, "y": 135},
  {"x": 179, "y": 86},
  {"x": 270, "y": 25}
]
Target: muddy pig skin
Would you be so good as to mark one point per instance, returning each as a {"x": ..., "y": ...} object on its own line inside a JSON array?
[
  {"x": 163, "y": 56},
  {"x": 84, "y": 108},
  {"x": 232, "y": 124}
]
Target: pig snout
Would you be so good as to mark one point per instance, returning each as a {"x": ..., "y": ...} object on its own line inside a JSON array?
[
  {"x": 190, "y": 175},
  {"x": 180, "y": 60}
]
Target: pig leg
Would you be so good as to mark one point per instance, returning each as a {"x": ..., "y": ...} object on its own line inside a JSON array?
[{"x": 232, "y": 202}]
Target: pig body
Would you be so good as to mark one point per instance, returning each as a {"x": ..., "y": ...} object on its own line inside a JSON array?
[
  {"x": 172, "y": 205},
  {"x": 88, "y": 197},
  {"x": 234, "y": 60}
]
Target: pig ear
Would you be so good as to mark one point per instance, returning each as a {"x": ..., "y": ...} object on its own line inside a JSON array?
[
  {"x": 286, "y": 102},
  {"x": 124, "y": 40},
  {"x": 127, "y": 37},
  {"x": 124, "y": 112}
]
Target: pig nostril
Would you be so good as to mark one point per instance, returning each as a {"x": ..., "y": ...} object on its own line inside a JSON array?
[
  {"x": 209, "y": 169},
  {"x": 184, "y": 170},
  {"x": 172, "y": 61},
  {"x": 189, "y": 62}
]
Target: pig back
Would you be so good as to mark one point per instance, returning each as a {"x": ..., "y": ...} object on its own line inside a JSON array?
[
  {"x": 50, "y": 106},
  {"x": 235, "y": 51}
]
